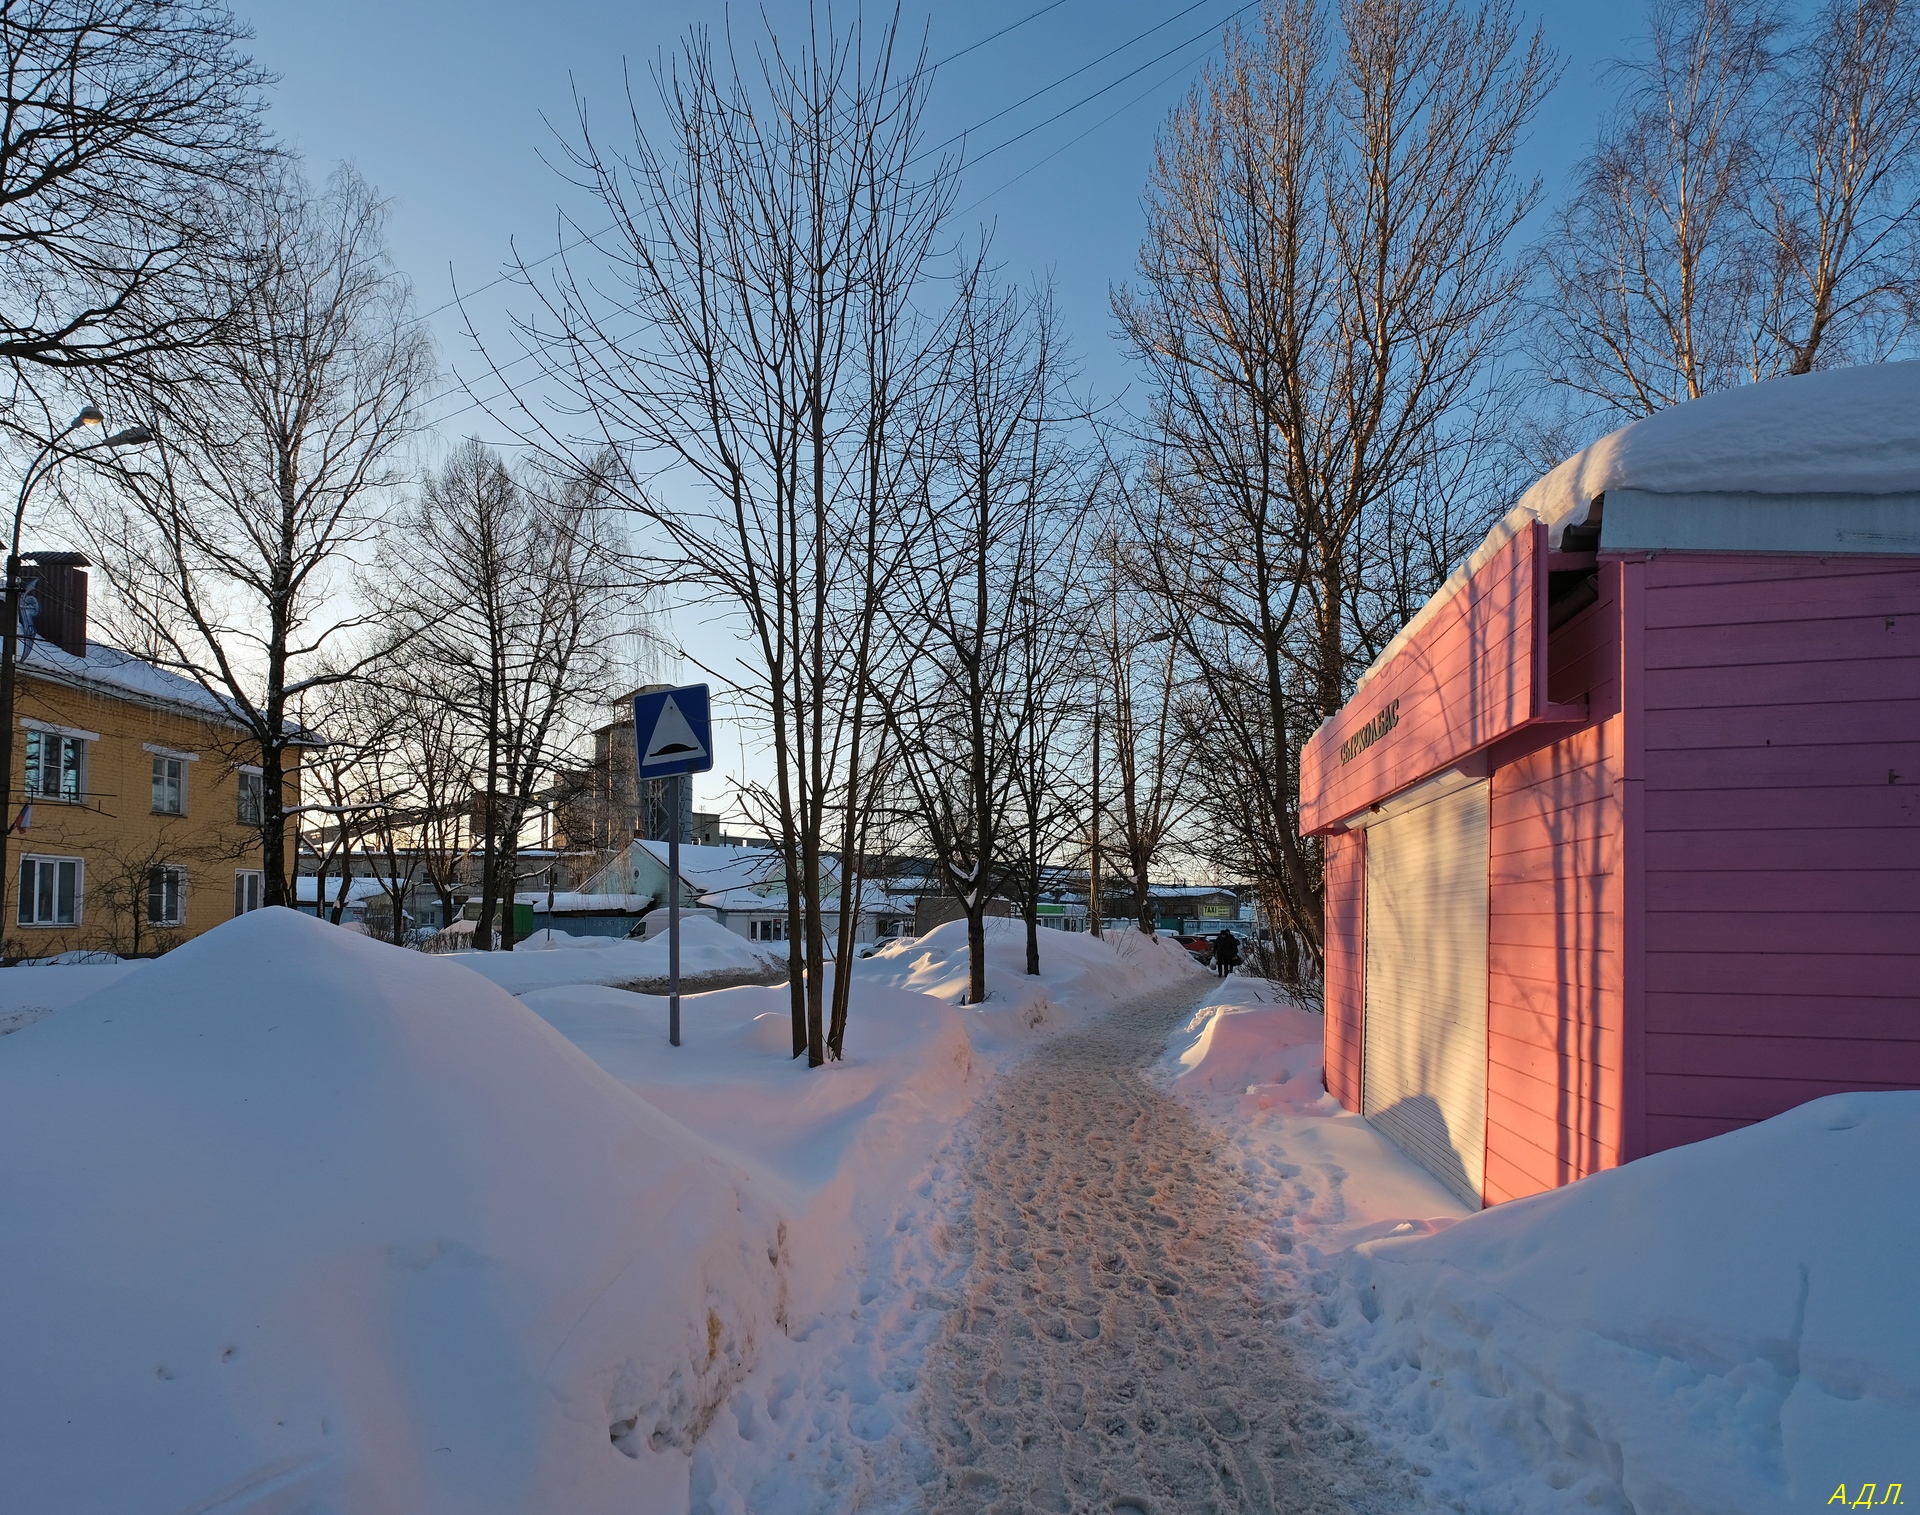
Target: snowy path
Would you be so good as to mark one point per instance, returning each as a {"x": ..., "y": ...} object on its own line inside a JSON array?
[{"x": 1112, "y": 1349}]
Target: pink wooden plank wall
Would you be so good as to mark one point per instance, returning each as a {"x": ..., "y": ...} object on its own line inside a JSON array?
[
  {"x": 1554, "y": 1002},
  {"x": 1782, "y": 846},
  {"x": 1464, "y": 681},
  {"x": 1345, "y": 903}
]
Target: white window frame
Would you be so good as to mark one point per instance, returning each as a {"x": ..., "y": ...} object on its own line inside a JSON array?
[
  {"x": 245, "y": 881},
  {"x": 180, "y": 894},
  {"x": 35, "y": 770},
  {"x": 39, "y": 860},
  {"x": 171, "y": 758},
  {"x": 245, "y": 772}
]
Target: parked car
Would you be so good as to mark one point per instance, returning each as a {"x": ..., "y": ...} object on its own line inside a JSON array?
[{"x": 1200, "y": 946}]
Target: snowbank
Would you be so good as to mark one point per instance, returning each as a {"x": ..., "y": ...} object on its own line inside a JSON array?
[
  {"x": 818, "y": 1138},
  {"x": 1728, "y": 1326},
  {"x": 705, "y": 947},
  {"x": 1248, "y": 1039},
  {"x": 1250, "y": 1061},
  {"x": 1080, "y": 975},
  {"x": 30, "y": 993},
  {"x": 290, "y": 1219},
  {"x": 311, "y": 1222},
  {"x": 1731, "y": 1326}
]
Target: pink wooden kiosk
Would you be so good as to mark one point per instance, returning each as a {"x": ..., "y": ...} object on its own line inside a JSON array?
[{"x": 1623, "y": 830}]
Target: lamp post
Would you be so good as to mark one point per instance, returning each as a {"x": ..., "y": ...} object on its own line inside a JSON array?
[{"x": 45, "y": 461}]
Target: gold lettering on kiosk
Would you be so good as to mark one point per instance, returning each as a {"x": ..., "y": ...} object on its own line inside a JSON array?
[{"x": 1384, "y": 721}]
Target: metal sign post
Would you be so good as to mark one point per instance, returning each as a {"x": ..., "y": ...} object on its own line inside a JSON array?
[
  {"x": 673, "y": 915},
  {"x": 673, "y": 737}
]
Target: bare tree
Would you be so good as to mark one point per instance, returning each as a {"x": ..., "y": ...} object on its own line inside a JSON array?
[
  {"x": 1842, "y": 188},
  {"x": 1751, "y": 209},
  {"x": 1051, "y": 649},
  {"x": 127, "y": 125},
  {"x": 435, "y": 758},
  {"x": 512, "y": 599},
  {"x": 1138, "y": 639},
  {"x": 985, "y": 534},
  {"x": 1325, "y": 294},
  {"x": 127, "y": 881},
  {"x": 739, "y": 342},
  {"x": 280, "y": 446},
  {"x": 1656, "y": 270}
]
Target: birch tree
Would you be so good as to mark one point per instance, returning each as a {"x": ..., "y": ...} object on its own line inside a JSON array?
[
  {"x": 280, "y": 449},
  {"x": 1751, "y": 207}
]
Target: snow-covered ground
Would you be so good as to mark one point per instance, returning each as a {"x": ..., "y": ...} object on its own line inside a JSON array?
[
  {"x": 28, "y": 994},
  {"x": 1731, "y": 1326},
  {"x": 292, "y": 1219},
  {"x": 548, "y": 959}
]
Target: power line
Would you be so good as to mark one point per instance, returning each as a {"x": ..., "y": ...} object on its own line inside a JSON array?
[
  {"x": 1064, "y": 111},
  {"x": 1159, "y": 83},
  {"x": 1065, "y": 78},
  {"x": 996, "y": 36},
  {"x": 1012, "y": 26},
  {"x": 1115, "y": 84}
]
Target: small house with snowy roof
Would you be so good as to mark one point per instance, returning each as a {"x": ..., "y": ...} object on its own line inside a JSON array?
[{"x": 742, "y": 888}]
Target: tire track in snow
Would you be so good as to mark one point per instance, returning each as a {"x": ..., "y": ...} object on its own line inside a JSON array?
[{"x": 1111, "y": 1347}]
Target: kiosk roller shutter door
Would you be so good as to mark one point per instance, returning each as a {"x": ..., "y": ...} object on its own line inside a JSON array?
[{"x": 1424, "y": 1065}]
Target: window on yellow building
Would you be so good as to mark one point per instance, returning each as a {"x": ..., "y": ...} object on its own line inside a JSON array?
[
  {"x": 166, "y": 895},
  {"x": 253, "y": 797},
  {"x": 50, "y": 891},
  {"x": 246, "y": 889},
  {"x": 56, "y": 766},
  {"x": 169, "y": 786}
]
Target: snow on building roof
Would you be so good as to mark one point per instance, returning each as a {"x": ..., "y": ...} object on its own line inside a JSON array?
[
  {"x": 702, "y": 869},
  {"x": 1819, "y": 463},
  {"x": 872, "y": 897},
  {"x": 710, "y": 869},
  {"x": 122, "y": 673},
  {"x": 306, "y": 887},
  {"x": 570, "y": 902}
]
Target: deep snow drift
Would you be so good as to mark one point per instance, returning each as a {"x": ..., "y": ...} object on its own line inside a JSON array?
[
  {"x": 706, "y": 947},
  {"x": 1728, "y": 1326},
  {"x": 1080, "y": 975},
  {"x": 31, "y": 993},
  {"x": 294, "y": 1220},
  {"x": 1731, "y": 1326},
  {"x": 291, "y": 1219}
]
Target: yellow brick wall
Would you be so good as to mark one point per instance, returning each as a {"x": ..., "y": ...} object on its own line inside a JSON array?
[{"x": 114, "y": 829}]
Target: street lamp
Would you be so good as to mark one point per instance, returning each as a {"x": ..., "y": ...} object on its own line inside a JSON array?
[{"x": 49, "y": 458}]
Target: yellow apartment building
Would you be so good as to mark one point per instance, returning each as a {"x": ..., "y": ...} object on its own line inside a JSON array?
[{"x": 134, "y": 804}]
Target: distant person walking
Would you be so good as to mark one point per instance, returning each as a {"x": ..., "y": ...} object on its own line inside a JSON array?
[{"x": 1226, "y": 951}]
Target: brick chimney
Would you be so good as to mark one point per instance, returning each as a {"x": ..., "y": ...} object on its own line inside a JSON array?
[{"x": 62, "y": 594}]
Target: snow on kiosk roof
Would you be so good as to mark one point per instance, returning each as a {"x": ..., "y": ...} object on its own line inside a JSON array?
[
  {"x": 1621, "y": 830},
  {"x": 1824, "y": 462}
]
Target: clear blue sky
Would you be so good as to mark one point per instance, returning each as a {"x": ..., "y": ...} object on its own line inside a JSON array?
[{"x": 445, "y": 108}]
